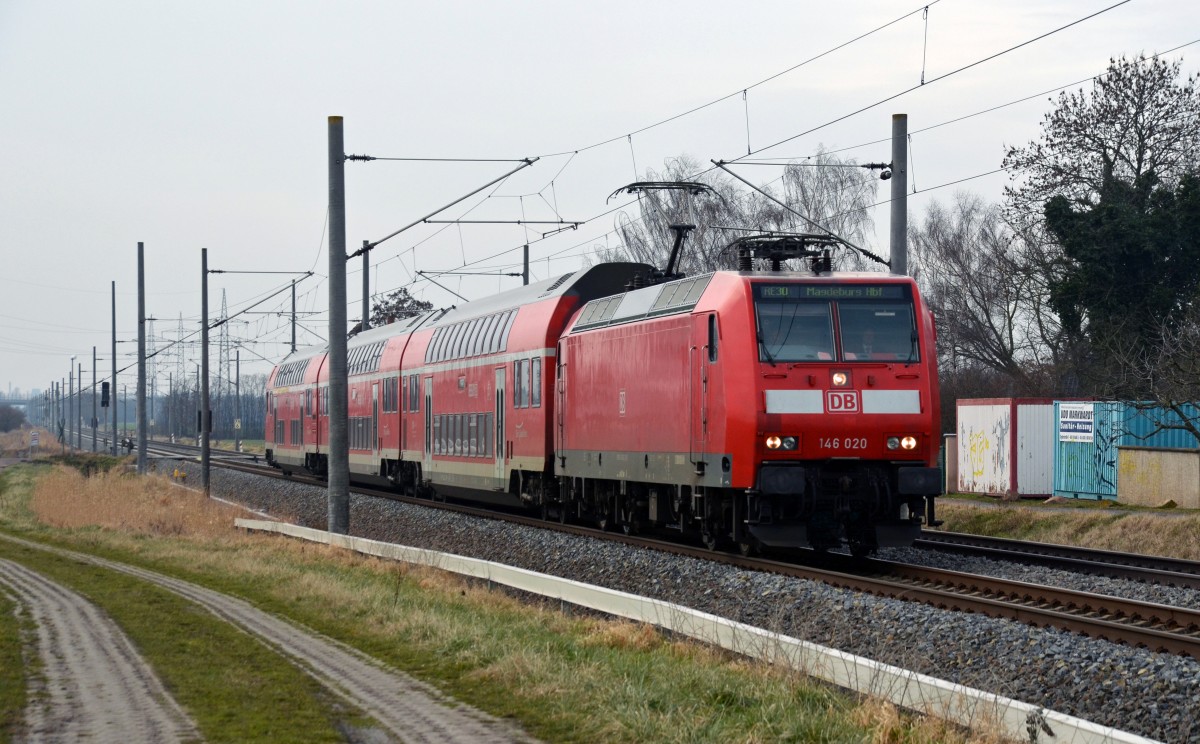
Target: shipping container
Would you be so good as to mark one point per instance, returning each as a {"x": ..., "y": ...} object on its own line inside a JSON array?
[
  {"x": 1085, "y": 452},
  {"x": 1005, "y": 446},
  {"x": 1088, "y": 435}
]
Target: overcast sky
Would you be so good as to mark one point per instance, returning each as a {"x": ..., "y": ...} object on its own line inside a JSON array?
[{"x": 204, "y": 125}]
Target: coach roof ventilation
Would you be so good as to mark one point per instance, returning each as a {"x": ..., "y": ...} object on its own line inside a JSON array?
[
  {"x": 662, "y": 299},
  {"x": 291, "y": 373}
]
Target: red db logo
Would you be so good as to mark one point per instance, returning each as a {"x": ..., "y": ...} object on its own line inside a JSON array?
[{"x": 841, "y": 401}]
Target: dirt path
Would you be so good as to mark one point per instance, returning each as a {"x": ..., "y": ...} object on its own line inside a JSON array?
[
  {"x": 407, "y": 709},
  {"x": 93, "y": 684}
]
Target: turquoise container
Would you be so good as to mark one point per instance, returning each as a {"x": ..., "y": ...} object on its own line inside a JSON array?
[
  {"x": 1087, "y": 436},
  {"x": 1085, "y": 456}
]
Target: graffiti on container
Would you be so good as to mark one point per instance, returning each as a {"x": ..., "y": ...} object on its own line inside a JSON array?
[
  {"x": 979, "y": 445},
  {"x": 1104, "y": 459},
  {"x": 985, "y": 451}
]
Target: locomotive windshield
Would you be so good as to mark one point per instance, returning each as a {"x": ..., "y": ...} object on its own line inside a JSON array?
[{"x": 796, "y": 323}]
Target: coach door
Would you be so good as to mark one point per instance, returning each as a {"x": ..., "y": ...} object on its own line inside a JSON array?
[
  {"x": 375, "y": 445},
  {"x": 501, "y": 443},
  {"x": 428, "y": 459},
  {"x": 703, "y": 354}
]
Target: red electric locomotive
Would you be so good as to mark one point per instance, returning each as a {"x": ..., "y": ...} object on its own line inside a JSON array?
[
  {"x": 775, "y": 408},
  {"x": 778, "y": 408}
]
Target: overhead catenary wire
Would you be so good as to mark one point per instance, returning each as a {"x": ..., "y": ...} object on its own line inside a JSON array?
[
  {"x": 939, "y": 78},
  {"x": 764, "y": 81},
  {"x": 868, "y": 107}
]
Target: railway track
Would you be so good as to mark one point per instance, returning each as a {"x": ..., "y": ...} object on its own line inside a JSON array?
[
  {"x": 1147, "y": 568},
  {"x": 1156, "y": 627}
]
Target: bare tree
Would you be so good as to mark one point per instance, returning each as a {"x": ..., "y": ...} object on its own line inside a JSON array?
[
  {"x": 1163, "y": 379},
  {"x": 835, "y": 194},
  {"x": 647, "y": 237},
  {"x": 828, "y": 191},
  {"x": 968, "y": 262}
]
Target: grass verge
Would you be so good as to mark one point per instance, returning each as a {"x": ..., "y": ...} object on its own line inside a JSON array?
[
  {"x": 564, "y": 678},
  {"x": 1113, "y": 528},
  {"x": 236, "y": 689},
  {"x": 13, "y": 690}
]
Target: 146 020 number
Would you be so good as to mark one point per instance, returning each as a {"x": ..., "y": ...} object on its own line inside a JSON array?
[{"x": 844, "y": 443}]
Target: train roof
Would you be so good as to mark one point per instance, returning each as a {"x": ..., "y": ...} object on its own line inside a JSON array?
[{"x": 600, "y": 280}]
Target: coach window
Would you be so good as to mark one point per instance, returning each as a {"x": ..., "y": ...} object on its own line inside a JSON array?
[
  {"x": 460, "y": 349},
  {"x": 473, "y": 341},
  {"x": 439, "y": 343},
  {"x": 510, "y": 316},
  {"x": 535, "y": 386},
  {"x": 489, "y": 334}
]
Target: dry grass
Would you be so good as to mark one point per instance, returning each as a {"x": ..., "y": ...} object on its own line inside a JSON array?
[
  {"x": 1167, "y": 534},
  {"x": 119, "y": 501},
  {"x": 16, "y": 443}
]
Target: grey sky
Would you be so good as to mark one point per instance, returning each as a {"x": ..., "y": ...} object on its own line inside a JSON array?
[{"x": 190, "y": 125}]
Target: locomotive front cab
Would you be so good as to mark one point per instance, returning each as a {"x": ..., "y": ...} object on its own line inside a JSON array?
[{"x": 847, "y": 439}]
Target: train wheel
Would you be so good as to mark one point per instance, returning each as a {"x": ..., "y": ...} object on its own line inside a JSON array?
[
  {"x": 710, "y": 540},
  {"x": 860, "y": 550},
  {"x": 748, "y": 546}
]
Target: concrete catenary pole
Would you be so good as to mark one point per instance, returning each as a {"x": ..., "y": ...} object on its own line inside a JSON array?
[
  {"x": 70, "y": 399},
  {"x": 140, "y": 403},
  {"x": 339, "y": 452},
  {"x": 93, "y": 399},
  {"x": 237, "y": 392},
  {"x": 79, "y": 406},
  {"x": 113, "y": 394},
  {"x": 205, "y": 415},
  {"x": 900, "y": 193}
]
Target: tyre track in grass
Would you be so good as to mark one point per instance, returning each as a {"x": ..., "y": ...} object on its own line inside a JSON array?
[
  {"x": 410, "y": 710},
  {"x": 93, "y": 685}
]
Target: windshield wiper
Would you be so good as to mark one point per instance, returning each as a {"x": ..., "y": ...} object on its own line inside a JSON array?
[
  {"x": 766, "y": 351},
  {"x": 912, "y": 350}
]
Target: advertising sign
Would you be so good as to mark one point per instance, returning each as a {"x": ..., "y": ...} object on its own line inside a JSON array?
[{"x": 1076, "y": 422}]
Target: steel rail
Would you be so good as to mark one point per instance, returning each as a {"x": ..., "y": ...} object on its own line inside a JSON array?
[{"x": 1153, "y": 569}]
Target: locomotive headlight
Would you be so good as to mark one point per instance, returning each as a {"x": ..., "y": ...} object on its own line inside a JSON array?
[
  {"x": 789, "y": 443},
  {"x": 840, "y": 379},
  {"x": 907, "y": 442},
  {"x": 774, "y": 442}
]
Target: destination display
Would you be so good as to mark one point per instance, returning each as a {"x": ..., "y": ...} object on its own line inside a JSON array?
[{"x": 830, "y": 292}]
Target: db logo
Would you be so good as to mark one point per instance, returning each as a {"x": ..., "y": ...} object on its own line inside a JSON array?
[{"x": 841, "y": 401}]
